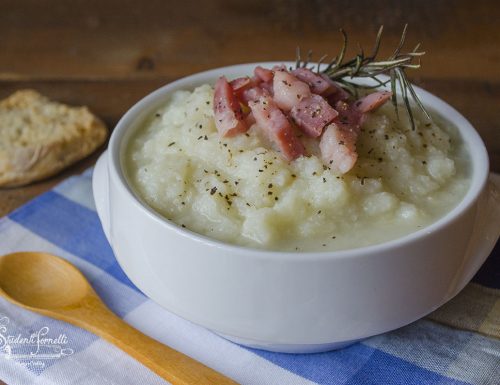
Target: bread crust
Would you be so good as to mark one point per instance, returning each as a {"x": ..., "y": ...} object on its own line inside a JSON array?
[{"x": 30, "y": 156}]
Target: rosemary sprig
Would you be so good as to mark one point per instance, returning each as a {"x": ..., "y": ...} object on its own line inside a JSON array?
[{"x": 363, "y": 66}]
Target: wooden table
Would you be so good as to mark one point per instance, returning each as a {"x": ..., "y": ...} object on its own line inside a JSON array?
[{"x": 107, "y": 55}]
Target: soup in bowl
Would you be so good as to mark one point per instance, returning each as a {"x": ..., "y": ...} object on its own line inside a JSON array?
[{"x": 294, "y": 255}]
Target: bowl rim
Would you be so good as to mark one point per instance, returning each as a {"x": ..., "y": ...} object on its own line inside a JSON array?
[{"x": 478, "y": 178}]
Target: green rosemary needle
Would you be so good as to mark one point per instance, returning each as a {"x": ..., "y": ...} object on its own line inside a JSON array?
[{"x": 367, "y": 66}]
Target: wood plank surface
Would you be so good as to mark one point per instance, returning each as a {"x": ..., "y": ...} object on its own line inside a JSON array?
[
  {"x": 109, "y": 54},
  {"x": 123, "y": 39}
]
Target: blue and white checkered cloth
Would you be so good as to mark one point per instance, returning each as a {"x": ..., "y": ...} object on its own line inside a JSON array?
[{"x": 458, "y": 344}]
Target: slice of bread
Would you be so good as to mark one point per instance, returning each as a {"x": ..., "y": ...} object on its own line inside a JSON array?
[{"x": 40, "y": 137}]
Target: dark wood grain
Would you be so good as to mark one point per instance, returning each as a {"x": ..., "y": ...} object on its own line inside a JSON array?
[
  {"x": 109, "y": 54},
  {"x": 130, "y": 38}
]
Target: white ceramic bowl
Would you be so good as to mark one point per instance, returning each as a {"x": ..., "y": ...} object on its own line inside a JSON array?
[{"x": 294, "y": 302}]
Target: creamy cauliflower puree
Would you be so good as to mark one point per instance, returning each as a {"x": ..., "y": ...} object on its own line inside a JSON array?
[{"x": 239, "y": 190}]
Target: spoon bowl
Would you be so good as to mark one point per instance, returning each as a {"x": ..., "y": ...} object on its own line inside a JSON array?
[
  {"x": 53, "y": 287},
  {"x": 53, "y": 282}
]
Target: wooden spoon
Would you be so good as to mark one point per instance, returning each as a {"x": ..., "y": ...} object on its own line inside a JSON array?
[{"x": 51, "y": 286}]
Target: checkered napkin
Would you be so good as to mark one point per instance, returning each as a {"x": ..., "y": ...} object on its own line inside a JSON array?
[{"x": 457, "y": 344}]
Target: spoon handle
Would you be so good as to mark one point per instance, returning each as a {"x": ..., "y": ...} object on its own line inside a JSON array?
[{"x": 173, "y": 366}]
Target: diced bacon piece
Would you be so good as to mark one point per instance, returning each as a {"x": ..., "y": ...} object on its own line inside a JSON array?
[
  {"x": 372, "y": 101},
  {"x": 334, "y": 93},
  {"x": 349, "y": 118},
  {"x": 265, "y": 84},
  {"x": 268, "y": 86},
  {"x": 280, "y": 67},
  {"x": 263, "y": 74},
  {"x": 288, "y": 90},
  {"x": 227, "y": 110},
  {"x": 338, "y": 142},
  {"x": 338, "y": 148},
  {"x": 317, "y": 83},
  {"x": 250, "y": 119},
  {"x": 253, "y": 94},
  {"x": 340, "y": 95},
  {"x": 275, "y": 124},
  {"x": 240, "y": 83},
  {"x": 332, "y": 86},
  {"x": 312, "y": 114}
]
